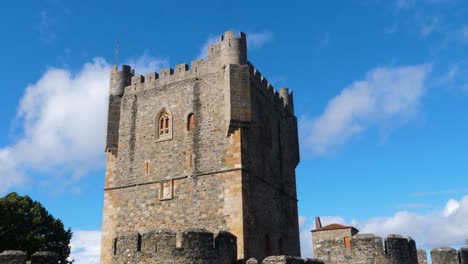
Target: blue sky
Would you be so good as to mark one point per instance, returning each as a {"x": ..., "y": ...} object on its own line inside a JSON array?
[{"x": 381, "y": 93}]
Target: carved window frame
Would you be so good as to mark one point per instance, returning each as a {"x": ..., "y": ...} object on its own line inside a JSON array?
[{"x": 163, "y": 125}]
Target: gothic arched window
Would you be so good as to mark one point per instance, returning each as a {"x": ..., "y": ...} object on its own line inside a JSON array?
[{"x": 163, "y": 125}]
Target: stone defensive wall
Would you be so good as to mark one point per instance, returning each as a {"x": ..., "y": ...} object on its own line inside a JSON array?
[
  {"x": 283, "y": 99},
  {"x": 449, "y": 256},
  {"x": 196, "y": 246},
  {"x": 394, "y": 249},
  {"x": 19, "y": 257},
  {"x": 283, "y": 260}
]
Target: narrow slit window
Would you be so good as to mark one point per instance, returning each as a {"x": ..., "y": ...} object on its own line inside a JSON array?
[
  {"x": 191, "y": 122},
  {"x": 115, "y": 246},
  {"x": 139, "y": 243}
]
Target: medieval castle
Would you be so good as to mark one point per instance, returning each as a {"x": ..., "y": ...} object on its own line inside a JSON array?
[
  {"x": 201, "y": 169},
  {"x": 212, "y": 147}
]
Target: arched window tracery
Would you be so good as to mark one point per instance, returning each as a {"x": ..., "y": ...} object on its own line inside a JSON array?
[{"x": 163, "y": 125}]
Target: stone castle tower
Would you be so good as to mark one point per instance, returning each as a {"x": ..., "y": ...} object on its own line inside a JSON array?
[{"x": 212, "y": 146}]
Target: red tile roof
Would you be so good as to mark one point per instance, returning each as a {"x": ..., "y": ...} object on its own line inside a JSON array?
[{"x": 333, "y": 227}]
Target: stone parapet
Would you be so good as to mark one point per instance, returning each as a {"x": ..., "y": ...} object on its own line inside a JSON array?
[
  {"x": 20, "y": 257},
  {"x": 197, "y": 246}
]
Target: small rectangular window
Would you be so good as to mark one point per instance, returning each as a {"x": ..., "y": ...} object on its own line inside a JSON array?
[{"x": 347, "y": 243}]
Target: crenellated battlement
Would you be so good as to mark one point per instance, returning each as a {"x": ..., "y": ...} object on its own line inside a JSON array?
[
  {"x": 231, "y": 49},
  {"x": 20, "y": 257},
  {"x": 393, "y": 249},
  {"x": 449, "y": 256},
  {"x": 283, "y": 99},
  {"x": 161, "y": 245}
]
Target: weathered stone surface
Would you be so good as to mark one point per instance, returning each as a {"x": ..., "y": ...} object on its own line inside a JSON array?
[
  {"x": 422, "y": 256},
  {"x": 197, "y": 246},
  {"x": 368, "y": 248},
  {"x": 233, "y": 170},
  {"x": 282, "y": 260},
  {"x": 444, "y": 256},
  {"x": 13, "y": 257},
  {"x": 252, "y": 261},
  {"x": 44, "y": 257},
  {"x": 313, "y": 261},
  {"x": 463, "y": 252}
]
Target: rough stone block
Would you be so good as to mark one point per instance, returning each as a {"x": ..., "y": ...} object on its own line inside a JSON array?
[
  {"x": 13, "y": 257},
  {"x": 463, "y": 253},
  {"x": 422, "y": 256},
  {"x": 444, "y": 256},
  {"x": 282, "y": 260},
  {"x": 44, "y": 257}
]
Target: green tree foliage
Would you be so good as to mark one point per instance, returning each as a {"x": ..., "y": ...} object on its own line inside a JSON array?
[{"x": 26, "y": 225}]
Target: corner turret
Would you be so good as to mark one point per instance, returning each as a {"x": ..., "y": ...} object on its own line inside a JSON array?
[
  {"x": 287, "y": 100},
  {"x": 231, "y": 49},
  {"x": 118, "y": 81}
]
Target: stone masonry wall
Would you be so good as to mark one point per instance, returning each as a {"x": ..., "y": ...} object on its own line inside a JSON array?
[
  {"x": 19, "y": 257},
  {"x": 271, "y": 155},
  {"x": 449, "y": 256},
  {"x": 368, "y": 248},
  {"x": 329, "y": 248},
  {"x": 394, "y": 249},
  {"x": 197, "y": 246},
  {"x": 212, "y": 176},
  {"x": 202, "y": 166}
]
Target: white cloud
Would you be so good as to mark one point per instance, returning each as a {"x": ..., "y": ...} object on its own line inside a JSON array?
[
  {"x": 325, "y": 39},
  {"x": 258, "y": 39},
  {"x": 441, "y": 192},
  {"x": 209, "y": 41},
  {"x": 302, "y": 221},
  {"x": 63, "y": 122},
  {"x": 446, "y": 227},
  {"x": 464, "y": 87},
  {"x": 405, "y": 4},
  {"x": 385, "y": 96},
  {"x": 428, "y": 27},
  {"x": 147, "y": 63},
  {"x": 451, "y": 207},
  {"x": 86, "y": 247},
  {"x": 46, "y": 27},
  {"x": 450, "y": 75},
  {"x": 462, "y": 33}
]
